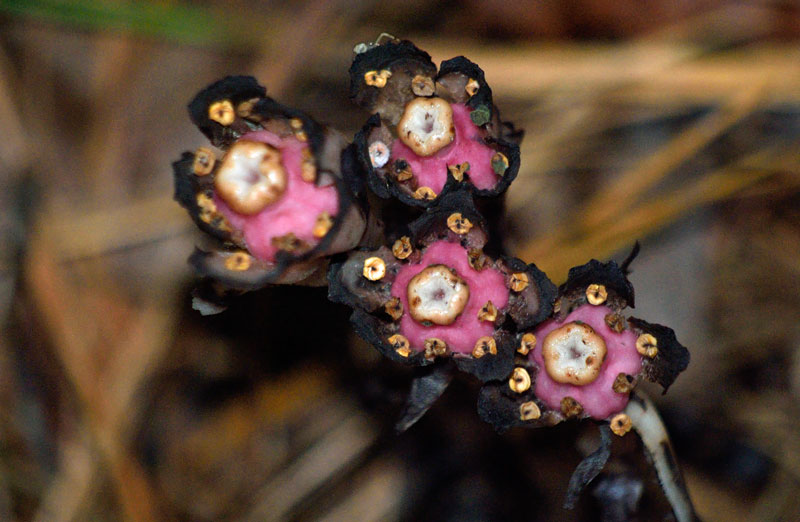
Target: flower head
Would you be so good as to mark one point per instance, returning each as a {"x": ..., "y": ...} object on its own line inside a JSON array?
[
  {"x": 586, "y": 359},
  {"x": 277, "y": 199},
  {"x": 438, "y": 295},
  {"x": 429, "y": 129}
]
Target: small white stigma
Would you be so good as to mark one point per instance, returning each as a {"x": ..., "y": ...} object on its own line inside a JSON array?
[{"x": 378, "y": 154}]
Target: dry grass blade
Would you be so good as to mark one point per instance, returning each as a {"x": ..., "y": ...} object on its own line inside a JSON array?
[
  {"x": 79, "y": 235},
  {"x": 68, "y": 322},
  {"x": 772, "y": 426},
  {"x": 658, "y": 72},
  {"x": 333, "y": 453},
  {"x": 557, "y": 257},
  {"x": 612, "y": 203},
  {"x": 13, "y": 146},
  {"x": 632, "y": 185},
  {"x": 523, "y": 71},
  {"x": 298, "y": 43},
  {"x": 62, "y": 316},
  {"x": 136, "y": 358},
  {"x": 69, "y": 491},
  {"x": 116, "y": 63},
  {"x": 374, "y": 498},
  {"x": 571, "y": 118}
]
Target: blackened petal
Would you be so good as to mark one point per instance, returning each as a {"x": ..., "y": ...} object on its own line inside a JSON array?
[
  {"x": 512, "y": 152},
  {"x": 188, "y": 189},
  {"x": 502, "y": 136},
  {"x": 672, "y": 357},
  {"x": 215, "y": 264},
  {"x": 235, "y": 89},
  {"x": 589, "y": 468},
  {"x": 470, "y": 70},
  {"x": 317, "y": 134},
  {"x": 377, "y": 333},
  {"x": 491, "y": 367},
  {"x": 501, "y": 407},
  {"x": 432, "y": 225},
  {"x": 404, "y": 60},
  {"x": 425, "y": 391},
  {"x": 353, "y": 173},
  {"x": 209, "y": 298},
  {"x": 533, "y": 304},
  {"x": 347, "y": 284},
  {"x": 498, "y": 409},
  {"x": 607, "y": 274}
]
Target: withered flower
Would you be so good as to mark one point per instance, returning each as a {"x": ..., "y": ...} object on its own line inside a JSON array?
[
  {"x": 428, "y": 127},
  {"x": 583, "y": 359},
  {"x": 278, "y": 190},
  {"x": 442, "y": 295}
]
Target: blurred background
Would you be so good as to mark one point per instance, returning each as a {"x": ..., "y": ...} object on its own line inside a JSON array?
[{"x": 676, "y": 123}]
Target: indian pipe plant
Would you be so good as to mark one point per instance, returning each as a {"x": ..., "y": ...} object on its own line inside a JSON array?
[{"x": 399, "y": 223}]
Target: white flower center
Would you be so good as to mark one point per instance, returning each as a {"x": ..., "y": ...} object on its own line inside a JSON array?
[
  {"x": 573, "y": 354},
  {"x": 437, "y": 295},
  {"x": 251, "y": 177},
  {"x": 426, "y": 125}
]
